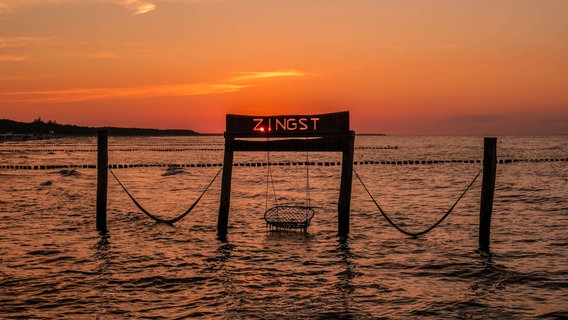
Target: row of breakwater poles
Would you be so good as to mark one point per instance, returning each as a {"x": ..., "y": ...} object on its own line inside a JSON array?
[{"x": 485, "y": 211}]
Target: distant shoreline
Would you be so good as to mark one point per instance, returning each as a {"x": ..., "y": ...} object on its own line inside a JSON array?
[{"x": 11, "y": 130}]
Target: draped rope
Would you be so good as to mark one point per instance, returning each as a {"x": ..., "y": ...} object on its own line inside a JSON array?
[
  {"x": 416, "y": 234},
  {"x": 166, "y": 221}
]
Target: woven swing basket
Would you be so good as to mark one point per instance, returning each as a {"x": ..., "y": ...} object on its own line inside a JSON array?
[{"x": 289, "y": 217}]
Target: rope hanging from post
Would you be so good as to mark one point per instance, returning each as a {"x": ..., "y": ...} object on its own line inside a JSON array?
[
  {"x": 166, "y": 221},
  {"x": 415, "y": 234}
]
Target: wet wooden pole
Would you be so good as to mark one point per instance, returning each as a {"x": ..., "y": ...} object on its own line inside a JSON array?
[
  {"x": 487, "y": 191},
  {"x": 344, "y": 204},
  {"x": 102, "y": 180},
  {"x": 225, "y": 203}
]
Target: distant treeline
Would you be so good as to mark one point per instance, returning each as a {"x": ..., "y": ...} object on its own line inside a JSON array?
[{"x": 52, "y": 128}]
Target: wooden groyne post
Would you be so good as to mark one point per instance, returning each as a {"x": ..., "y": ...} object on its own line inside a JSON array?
[
  {"x": 344, "y": 205},
  {"x": 225, "y": 203},
  {"x": 487, "y": 191},
  {"x": 102, "y": 180}
]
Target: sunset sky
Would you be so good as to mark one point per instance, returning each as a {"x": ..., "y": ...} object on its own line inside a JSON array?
[{"x": 487, "y": 67}]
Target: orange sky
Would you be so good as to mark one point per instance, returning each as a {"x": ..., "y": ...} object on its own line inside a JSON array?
[{"x": 399, "y": 66}]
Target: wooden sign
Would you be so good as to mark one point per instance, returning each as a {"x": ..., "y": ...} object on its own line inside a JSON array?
[{"x": 287, "y": 125}]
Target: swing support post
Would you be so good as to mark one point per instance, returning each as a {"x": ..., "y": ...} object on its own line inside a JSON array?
[
  {"x": 102, "y": 180},
  {"x": 344, "y": 204},
  {"x": 225, "y": 203}
]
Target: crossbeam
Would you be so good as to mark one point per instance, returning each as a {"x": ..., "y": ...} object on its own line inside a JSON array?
[{"x": 335, "y": 143}]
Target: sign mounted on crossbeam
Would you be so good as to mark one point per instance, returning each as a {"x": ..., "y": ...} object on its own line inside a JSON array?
[{"x": 287, "y": 125}]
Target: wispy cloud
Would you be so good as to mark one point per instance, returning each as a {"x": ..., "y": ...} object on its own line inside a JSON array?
[
  {"x": 446, "y": 46},
  {"x": 559, "y": 119},
  {"x": 135, "y": 6},
  {"x": 100, "y": 55},
  {"x": 247, "y": 76},
  {"x": 4, "y": 8},
  {"x": 86, "y": 94},
  {"x": 477, "y": 118},
  {"x": 241, "y": 81},
  {"x": 393, "y": 48},
  {"x": 433, "y": 47},
  {"x": 138, "y": 7},
  {"x": 19, "y": 42},
  {"x": 13, "y": 58},
  {"x": 17, "y": 78},
  {"x": 15, "y": 42}
]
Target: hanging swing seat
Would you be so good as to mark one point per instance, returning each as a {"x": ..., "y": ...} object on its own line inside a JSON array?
[
  {"x": 283, "y": 216},
  {"x": 287, "y": 217}
]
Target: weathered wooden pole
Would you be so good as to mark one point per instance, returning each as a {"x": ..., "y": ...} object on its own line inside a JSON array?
[
  {"x": 102, "y": 180},
  {"x": 487, "y": 191},
  {"x": 225, "y": 202},
  {"x": 344, "y": 205}
]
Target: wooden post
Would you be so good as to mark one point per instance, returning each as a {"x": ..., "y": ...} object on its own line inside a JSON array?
[
  {"x": 344, "y": 205},
  {"x": 102, "y": 180},
  {"x": 225, "y": 203},
  {"x": 487, "y": 191}
]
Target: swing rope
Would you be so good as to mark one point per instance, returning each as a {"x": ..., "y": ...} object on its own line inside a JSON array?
[
  {"x": 415, "y": 234},
  {"x": 287, "y": 216},
  {"x": 166, "y": 221},
  {"x": 270, "y": 180},
  {"x": 269, "y": 176}
]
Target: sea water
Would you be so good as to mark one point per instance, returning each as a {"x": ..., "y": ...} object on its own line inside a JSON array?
[{"x": 55, "y": 265}]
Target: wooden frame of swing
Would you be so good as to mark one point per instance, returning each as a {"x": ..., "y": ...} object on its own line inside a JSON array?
[{"x": 332, "y": 135}]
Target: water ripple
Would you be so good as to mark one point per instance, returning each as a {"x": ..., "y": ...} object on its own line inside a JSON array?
[{"x": 54, "y": 265}]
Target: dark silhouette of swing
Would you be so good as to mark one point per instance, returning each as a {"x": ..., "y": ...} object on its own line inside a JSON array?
[
  {"x": 295, "y": 133},
  {"x": 287, "y": 217}
]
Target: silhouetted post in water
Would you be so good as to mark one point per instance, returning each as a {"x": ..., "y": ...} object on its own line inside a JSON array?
[
  {"x": 223, "y": 220},
  {"x": 487, "y": 191},
  {"x": 344, "y": 205},
  {"x": 102, "y": 180}
]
